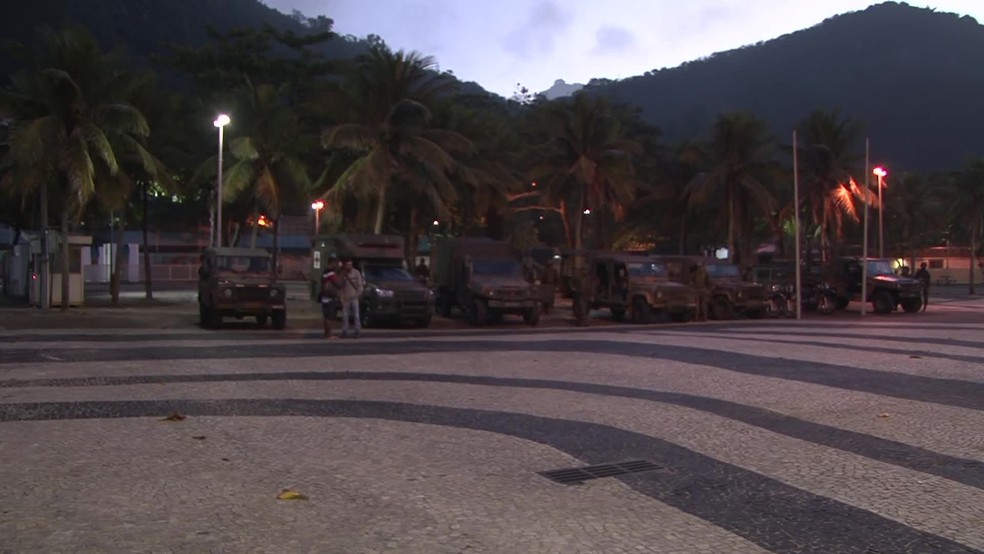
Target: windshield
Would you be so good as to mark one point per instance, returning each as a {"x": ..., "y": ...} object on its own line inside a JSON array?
[
  {"x": 243, "y": 264},
  {"x": 498, "y": 268},
  {"x": 646, "y": 269},
  {"x": 880, "y": 267},
  {"x": 723, "y": 270},
  {"x": 375, "y": 273}
]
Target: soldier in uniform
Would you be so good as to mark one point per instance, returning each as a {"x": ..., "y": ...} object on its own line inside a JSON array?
[
  {"x": 701, "y": 282},
  {"x": 923, "y": 277},
  {"x": 329, "y": 294},
  {"x": 549, "y": 279}
]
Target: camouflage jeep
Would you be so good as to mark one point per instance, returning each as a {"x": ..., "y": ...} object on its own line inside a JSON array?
[
  {"x": 730, "y": 293},
  {"x": 239, "y": 282},
  {"x": 637, "y": 284}
]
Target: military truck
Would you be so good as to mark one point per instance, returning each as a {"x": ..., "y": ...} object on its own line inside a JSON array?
[
  {"x": 239, "y": 282},
  {"x": 886, "y": 291},
  {"x": 730, "y": 293},
  {"x": 391, "y": 293},
  {"x": 638, "y": 284},
  {"x": 483, "y": 278}
]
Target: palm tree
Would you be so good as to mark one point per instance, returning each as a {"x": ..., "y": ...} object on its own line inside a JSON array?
[
  {"x": 741, "y": 158},
  {"x": 383, "y": 103},
  {"x": 829, "y": 159},
  {"x": 914, "y": 210},
  {"x": 71, "y": 124},
  {"x": 586, "y": 166},
  {"x": 967, "y": 207}
]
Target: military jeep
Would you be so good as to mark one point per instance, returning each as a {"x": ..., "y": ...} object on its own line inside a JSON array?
[
  {"x": 730, "y": 293},
  {"x": 239, "y": 282},
  {"x": 885, "y": 290},
  {"x": 629, "y": 283}
]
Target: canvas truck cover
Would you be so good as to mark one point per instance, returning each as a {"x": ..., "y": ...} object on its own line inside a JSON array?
[{"x": 446, "y": 252}]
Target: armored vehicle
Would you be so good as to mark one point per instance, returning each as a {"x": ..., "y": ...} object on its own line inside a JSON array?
[
  {"x": 730, "y": 293},
  {"x": 779, "y": 280},
  {"x": 391, "y": 293},
  {"x": 239, "y": 282},
  {"x": 886, "y": 290},
  {"x": 483, "y": 279},
  {"x": 632, "y": 283}
]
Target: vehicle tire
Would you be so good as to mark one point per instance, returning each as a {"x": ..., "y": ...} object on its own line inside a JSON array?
[
  {"x": 532, "y": 316},
  {"x": 842, "y": 303},
  {"x": 882, "y": 302},
  {"x": 912, "y": 305},
  {"x": 367, "y": 318},
  {"x": 618, "y": 314},
  {"x": 641, "y": 312},
  {"x": 826, "y": 303},
  {"x": 261, "y": 320},
  {"x": 479, "y": 313},
  {"x": 775, "y": 305},
  {"x": 721, "y": 308},
  {"x": 279, "y": 319}
]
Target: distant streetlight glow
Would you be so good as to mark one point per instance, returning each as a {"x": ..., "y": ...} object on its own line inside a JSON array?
[
  {"x": 221, "y": 121},
  {"x": 880, "y": 172},
  {"x": 436, "y": 223},
  {"x": 317, "y": 206},
  {"x": 587, "y": 212}
]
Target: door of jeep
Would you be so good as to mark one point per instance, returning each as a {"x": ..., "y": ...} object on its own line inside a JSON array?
[{"x": 853, "y": 276}]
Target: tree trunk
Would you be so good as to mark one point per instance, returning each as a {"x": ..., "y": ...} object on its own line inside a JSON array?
[
  {"x": 276, "y": 247},
  {"x": 256, "y": 226},
  {"x": 578, "y": 221},
  {"x": 411, "y": 246},
  {"x": 683, "y": 234},
  {"x": 65, "y": 258},
  {"x": 566, "y": 222},
  {"x": 148, "y": 286},
  {"x": 44, "y": 286},
  {"x": 380, "y": 212},
  {"x": 731, "y": 228},
  {"x": 114, "y": 280}
]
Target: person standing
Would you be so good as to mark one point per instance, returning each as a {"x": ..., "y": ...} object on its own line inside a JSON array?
[
  {"x": 350, "y": 292},
  {"x": 923, "y": 276},
  {"x": 701, "y": 282},
  {"x": 329, "y": 294}
]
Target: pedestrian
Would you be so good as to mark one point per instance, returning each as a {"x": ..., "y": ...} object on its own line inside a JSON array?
[
  {"x": 329, "y": 294},
  {"x": 701, "y": 283},
  {"x": 350, "y": 292},
  {"x": 923, "y": 276}
]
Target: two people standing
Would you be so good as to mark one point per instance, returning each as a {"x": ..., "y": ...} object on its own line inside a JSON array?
[{"x": 341, "y": 284}]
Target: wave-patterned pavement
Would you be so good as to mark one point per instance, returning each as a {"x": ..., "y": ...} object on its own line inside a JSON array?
[{"x": 818, "y": 436}]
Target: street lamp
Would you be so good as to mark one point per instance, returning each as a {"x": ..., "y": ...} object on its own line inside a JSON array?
[
  {"x": 317, "y": 206},
  {"x": 880, "y": 172},
  {"x": 221, "y": 121}
]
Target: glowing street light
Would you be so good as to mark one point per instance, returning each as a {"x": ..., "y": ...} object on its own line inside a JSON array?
[
  {"x": 317, "y": 206},
  {"x": 221, "y": 121},
  {"x": 587, "y": 212},
  {"x": 880, "y": 172}
]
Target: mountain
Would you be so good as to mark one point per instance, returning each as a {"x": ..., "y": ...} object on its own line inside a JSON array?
[
  {"x": 912, "y": 76},
  {"x": 561, "y": 89}
]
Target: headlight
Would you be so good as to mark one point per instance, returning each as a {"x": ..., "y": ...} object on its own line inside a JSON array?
[
  {"x": 741, "y": 294},
  {"x": 227, "y": 293},
  {"x": 383, "y": 293},
  {"x": 659, "y": 295},
  {"x": 274, "y": 293},
  {"x": 428, "y": 294}
]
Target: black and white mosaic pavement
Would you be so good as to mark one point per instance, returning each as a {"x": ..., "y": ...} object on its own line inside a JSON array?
[{"x": 770, "y": 436}]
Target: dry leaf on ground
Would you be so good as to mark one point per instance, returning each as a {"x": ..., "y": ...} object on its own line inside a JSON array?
[
  {"x": 288, "y": 494},
  {"x": 198, "y": 437},
  {"x": 883, "y": 415},
  {"x": 175, "y": 416}
]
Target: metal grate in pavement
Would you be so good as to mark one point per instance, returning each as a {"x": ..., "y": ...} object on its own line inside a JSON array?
[{"x": 578, "y": 475}]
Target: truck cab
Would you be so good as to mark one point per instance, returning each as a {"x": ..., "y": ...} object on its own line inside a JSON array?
[{"x": 240, "y": 282}]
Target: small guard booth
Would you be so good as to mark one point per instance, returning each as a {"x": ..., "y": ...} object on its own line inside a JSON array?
[{"x": 53, "y": 280}]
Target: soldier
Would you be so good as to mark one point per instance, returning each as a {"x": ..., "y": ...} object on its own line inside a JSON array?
[
  {"x": 701, "y": 282},
  {"x": 923, "y": 276},
  {"x": 549, "y": 279},
  {"x": 329, "y": 294}
]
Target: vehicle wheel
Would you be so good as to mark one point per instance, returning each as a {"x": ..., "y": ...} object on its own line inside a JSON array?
[
  {"x": 641, "y": 312},
  {"x": 618, "y": 314},
  {"x": 532, "y": 316},
  {"x": 261, "y": 320},
  {"x": 279, "y": 319},
  {"x": 882, "y": 302},
  {"x": 367, "y": 318},
  {"x": 721, "y": 308},
  {"x": 774, "y": 307},
  {"x": 424, "y": 321},
  {"x": 842, "y": 303},
  {"x": 479, "y": 313},
  {"x": 912, "y": 305},
  {"x": 826, "y": 304}
]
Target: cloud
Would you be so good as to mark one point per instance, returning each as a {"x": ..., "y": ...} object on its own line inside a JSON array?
[
  {"x": 612, "y": 40},
  {"x": 539, "y": 31}
]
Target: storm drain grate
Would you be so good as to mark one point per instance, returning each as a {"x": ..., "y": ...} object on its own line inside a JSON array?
[{"x": 577, "y": 475}]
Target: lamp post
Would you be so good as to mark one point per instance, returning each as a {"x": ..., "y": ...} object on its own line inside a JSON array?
[
  {"x": 317, "y": 206},
  {"x": 880, "y": 172},
  {"x": 221, "y": 121}
]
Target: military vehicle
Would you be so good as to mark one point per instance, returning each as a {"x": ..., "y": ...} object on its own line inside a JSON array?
[
  {"x": 391, "y": 294},
  {"x": 886, "y": 291},
  {"x": 239, "y": 282},
  {"x": 779, "y": 280},
  {"x": 483, "y": 278},
  {"x": 730, "y": 293},
  {"x": 638, "y": 284}
]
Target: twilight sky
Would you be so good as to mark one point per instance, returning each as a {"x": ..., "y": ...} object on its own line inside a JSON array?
[{"x": 503, "y": 42}]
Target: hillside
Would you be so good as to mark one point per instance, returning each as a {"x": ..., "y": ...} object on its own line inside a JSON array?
[{"x": 912, "y": 76}]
